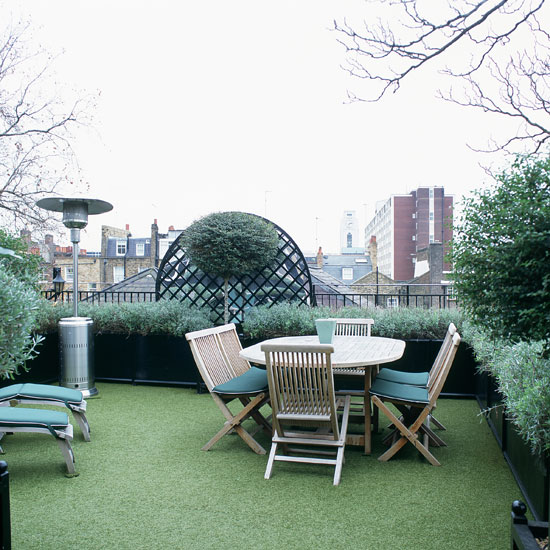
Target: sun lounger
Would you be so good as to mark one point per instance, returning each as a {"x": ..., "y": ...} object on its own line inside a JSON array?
[
  {"x": 56, "y": 423},
  {"x": 44, "y": 394}
]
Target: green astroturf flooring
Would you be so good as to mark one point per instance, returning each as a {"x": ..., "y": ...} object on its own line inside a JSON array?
[{"x": 145, "y": 484}]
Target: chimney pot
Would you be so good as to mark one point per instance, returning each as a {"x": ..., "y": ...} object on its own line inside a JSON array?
[{"x": 320, "y": 257}]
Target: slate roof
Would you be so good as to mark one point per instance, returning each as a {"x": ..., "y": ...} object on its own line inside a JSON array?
[
  {"x": 143, "y": 282},
  {"x": 132, "y": 245}
]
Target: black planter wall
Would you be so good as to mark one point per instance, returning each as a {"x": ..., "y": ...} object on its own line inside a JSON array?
[
  {"x": 532, "y": 472},
  {"x": 156, "y": 359}
]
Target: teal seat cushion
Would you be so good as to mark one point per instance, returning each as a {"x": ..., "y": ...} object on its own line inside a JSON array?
[
  {"x": 254, "y": 380},
  {"x": 23, "y": 417},
  {"x": 40, "y": 392},
  {"x": 401, "y": 392},
  {"x": 44, "y": 391},
  {"x": 10, "y": 392},
  {"x": 400, "y": 377}
]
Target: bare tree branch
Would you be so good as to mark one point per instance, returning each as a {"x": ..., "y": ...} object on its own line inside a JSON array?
[
  {"x": 36, "y": 127},
  {"x": 498, "y": 50}
]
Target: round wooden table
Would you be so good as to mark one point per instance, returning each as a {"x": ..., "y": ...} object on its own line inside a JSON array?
[{"x": 349, "y": 352}]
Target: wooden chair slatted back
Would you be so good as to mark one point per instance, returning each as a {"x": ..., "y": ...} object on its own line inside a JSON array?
[
  {"x": 216, "y": 353},
  {"x": 440, "y": 358},
  {"x": 231, "y": 345},
  {"x": 441, "y": 377},
  {"x": 354, "y": 327},
  {"x": 301, "y": 385}
]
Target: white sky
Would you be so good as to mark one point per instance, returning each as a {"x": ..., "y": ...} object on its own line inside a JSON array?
[{"x": 216, "y": 105}]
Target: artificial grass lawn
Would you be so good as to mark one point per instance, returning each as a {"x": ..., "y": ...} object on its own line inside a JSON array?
[{"x": 145, "y": 483}]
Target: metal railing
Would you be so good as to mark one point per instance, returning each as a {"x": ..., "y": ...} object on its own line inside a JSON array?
[
  {"x": 387, "y": 296},
  {"x": 95, "y": 297},
  {"x": 382, "y": 295}
]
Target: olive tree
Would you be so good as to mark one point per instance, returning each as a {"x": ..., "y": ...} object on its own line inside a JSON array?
[
  {"x": 501, "y": 253},
  {"x": 229, "y": 244}
]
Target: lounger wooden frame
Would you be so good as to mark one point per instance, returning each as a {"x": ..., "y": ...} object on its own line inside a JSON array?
[
  {"x": 305, "y": 408},
  {"x": 415, "y": 414},
  {"x": 216, "y": 353}
]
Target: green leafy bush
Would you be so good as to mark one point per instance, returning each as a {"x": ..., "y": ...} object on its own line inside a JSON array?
[
  {"x": 18, "y": 304},
  {"x": 165, "y": 317},
  {"x": 501, "y": 253},
  {"x": 291, "y": 319}
]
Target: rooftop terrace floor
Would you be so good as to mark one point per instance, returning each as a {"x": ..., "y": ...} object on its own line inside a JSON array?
[{"x": 145, "y": 483}]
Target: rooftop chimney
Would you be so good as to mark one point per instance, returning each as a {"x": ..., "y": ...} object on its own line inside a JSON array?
[
  {"x": 320, "y": 258},
  {"x": 127, "y": 227}
]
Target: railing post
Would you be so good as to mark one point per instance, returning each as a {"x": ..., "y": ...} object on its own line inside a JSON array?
[{"x": 5, "y": 535}]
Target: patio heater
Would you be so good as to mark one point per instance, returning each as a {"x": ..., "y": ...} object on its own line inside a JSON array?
[{"x": 76, "y": 352}]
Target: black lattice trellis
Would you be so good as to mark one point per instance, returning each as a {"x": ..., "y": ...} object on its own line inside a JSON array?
[{"x": 287, "y": 278}]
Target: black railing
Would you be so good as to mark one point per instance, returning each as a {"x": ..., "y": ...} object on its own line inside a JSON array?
[
  {"x": 383, "y": 295},
  {"x": 386, "y": 296},
  {"x": 95, "y": 297}
]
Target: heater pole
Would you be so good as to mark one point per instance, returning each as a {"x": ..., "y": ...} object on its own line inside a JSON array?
[{"x": 75, "y": 238}]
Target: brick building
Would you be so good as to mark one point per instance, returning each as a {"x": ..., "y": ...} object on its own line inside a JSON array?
[
  {"x": 405, "y": 224},
  {"x": 122, "y": 256}
]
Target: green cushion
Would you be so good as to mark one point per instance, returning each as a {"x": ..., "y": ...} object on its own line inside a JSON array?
[
  {"x": 41, "y": 392},
  {"x": 30, "y": 418},
  {"x": 254, "y": 380},
  {"x": 401, "y": 392},
  {"x": 411, "y": 378},
  {"x": 10, "y": 392}
]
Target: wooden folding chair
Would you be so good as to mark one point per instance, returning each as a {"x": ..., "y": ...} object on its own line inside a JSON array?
[
  {"x": 415, "y": 405},
  {"x": 305, "y": 409},
  {"x": 352, "y": 327},
  {"x": 422, "y": 379},
  {"x": 228, "y": 377}
]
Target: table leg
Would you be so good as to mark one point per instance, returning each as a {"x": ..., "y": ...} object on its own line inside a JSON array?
[{"x": 368, "y": 417}]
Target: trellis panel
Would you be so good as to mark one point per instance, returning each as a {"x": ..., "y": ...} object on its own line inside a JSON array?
[{"x": 286, "y": 278}]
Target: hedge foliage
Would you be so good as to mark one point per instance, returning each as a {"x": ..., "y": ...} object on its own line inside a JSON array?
[
  {"x": 522, "y": 373},
  {"x": 290, "y": 319},
  {"x": 165, "y": 317}
]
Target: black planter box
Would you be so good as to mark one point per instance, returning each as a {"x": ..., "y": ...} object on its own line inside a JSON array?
[
  {"x": 153, "y": 359},
  {"x": 523, "y": 533}
]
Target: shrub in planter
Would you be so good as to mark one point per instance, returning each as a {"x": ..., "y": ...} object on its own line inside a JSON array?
[
  {"x": 142, "y": 341},
  {"x": 291, "y": 319},
  {"x": 168, "y": 317}
]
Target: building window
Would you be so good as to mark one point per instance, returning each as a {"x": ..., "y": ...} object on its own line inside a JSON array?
[
  {"x": 140, "y": 249},
  {"x": 347, "y": 273},
  {"x": 69, "y": 275},
  {"x": 349, "y": 240},
  {"x": 118, "y": 273},
  {"x": 414, "y": 237},
  {"x": 92, "y": 287},
  {"x": 164, "y": 245},
  {"x": 392, "y": 302},
  {"x": 120, "y": 248}
]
